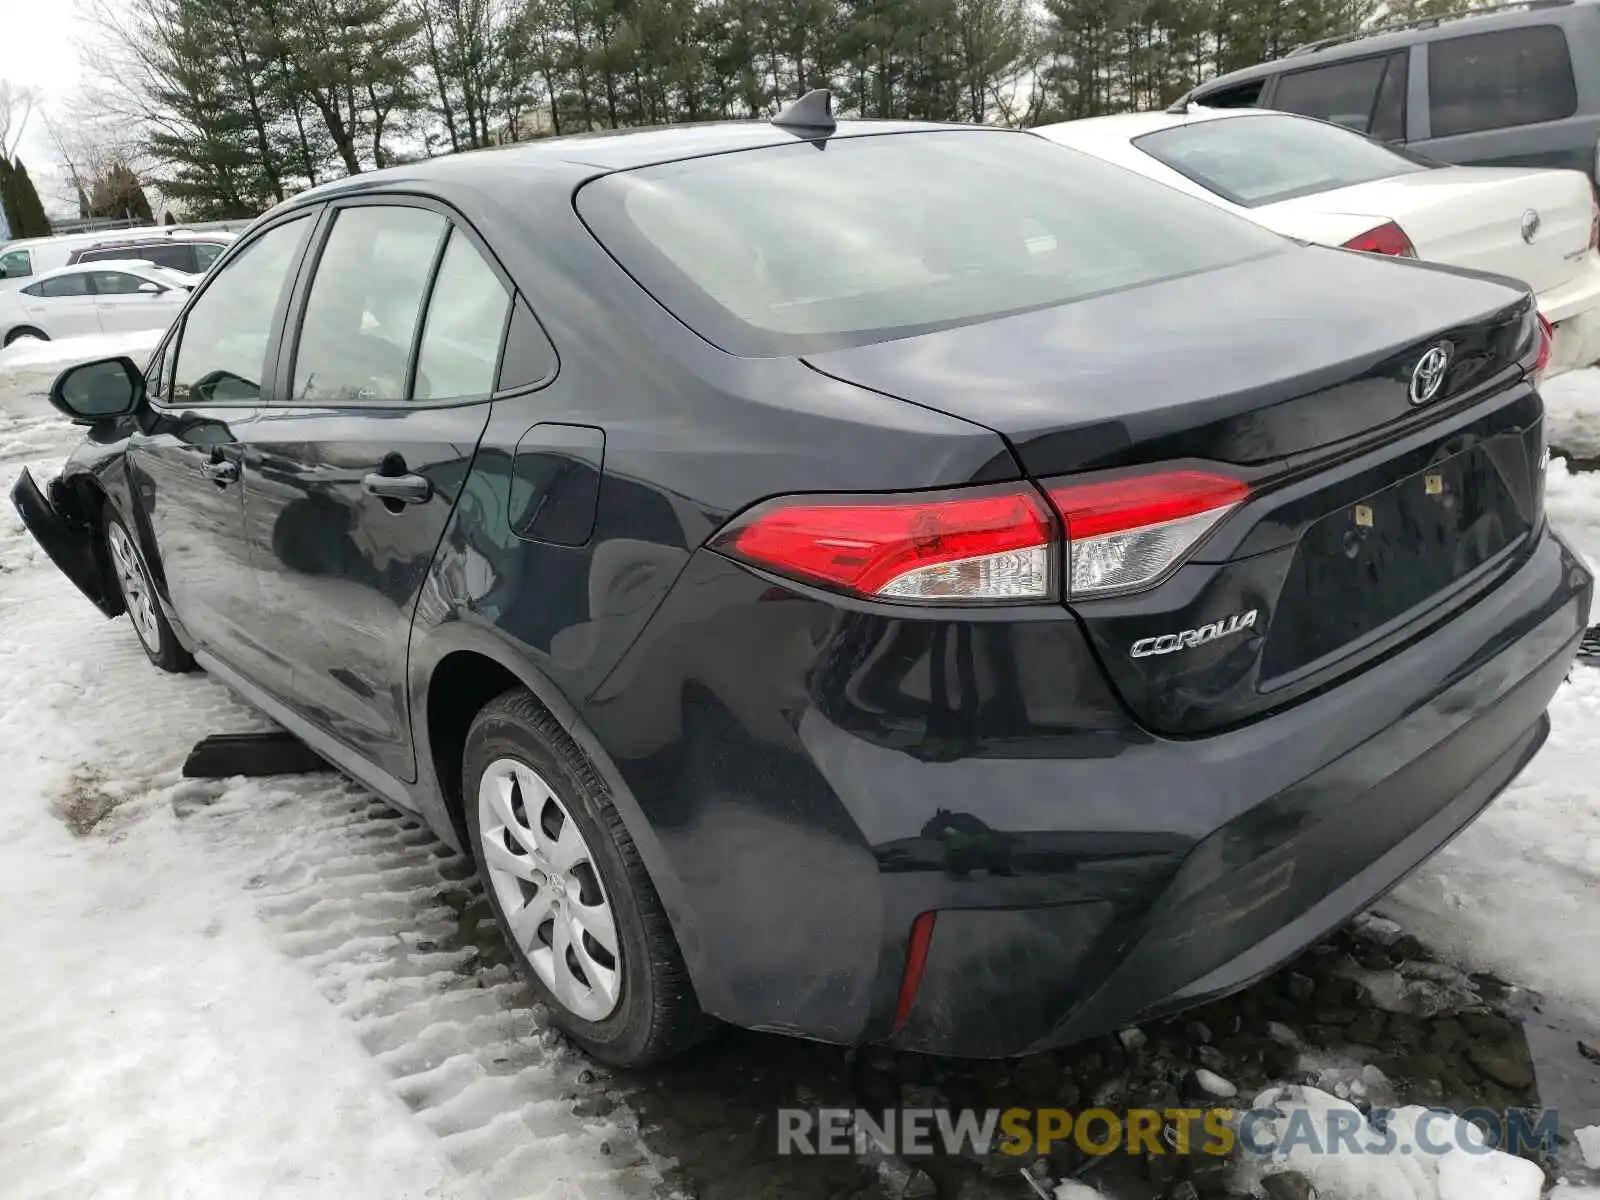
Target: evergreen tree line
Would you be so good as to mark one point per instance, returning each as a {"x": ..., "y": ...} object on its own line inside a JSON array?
[
  {"x": 237, "y": 104},
  {"x": 25, "y": 215}
]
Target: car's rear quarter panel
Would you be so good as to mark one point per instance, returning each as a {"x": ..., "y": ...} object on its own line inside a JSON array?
[{"x": 690, "y": 435}]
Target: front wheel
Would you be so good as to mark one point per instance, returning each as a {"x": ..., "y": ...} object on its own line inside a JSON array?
[
  {"x": 161, "y": 645},
  {"x": 569, "y": 890}
]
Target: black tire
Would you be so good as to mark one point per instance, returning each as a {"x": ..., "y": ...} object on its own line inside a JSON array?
[
  {"x": 160, "y": 644},
  {"x": 22, "y": 332},
  {"x": 657, "y": 1015}
]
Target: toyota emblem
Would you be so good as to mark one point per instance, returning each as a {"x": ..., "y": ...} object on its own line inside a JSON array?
[
  {"x": 1427, "y": 377},
  {"x": 1530, "y": 226}
]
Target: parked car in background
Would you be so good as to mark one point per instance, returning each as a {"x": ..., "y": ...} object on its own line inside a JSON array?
[
  {"x": 1507, "y": 85},
  {"x": 102, "y": 297},
  {"x": 26, "y": 258},
  {"x": 1322, "y": 183},
  {"x": 30, "y": 257},
  {"x": 947, "y": 591},
  {"x": 189, "y": 253}
]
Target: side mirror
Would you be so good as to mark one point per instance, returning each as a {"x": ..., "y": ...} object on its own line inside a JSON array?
[
  {"x": 149, "y": 289},
  {"x": 97, "y": 391}
]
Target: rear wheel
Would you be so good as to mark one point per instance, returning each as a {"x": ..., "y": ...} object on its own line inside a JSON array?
[
  {"x": 26, "y": 331},
  {"x": 160, "y": 644},
  {"x": 569, "y": 890}
]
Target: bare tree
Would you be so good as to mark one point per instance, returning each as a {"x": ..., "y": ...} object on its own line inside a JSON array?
[
  {"x": 88, "y": 150},
  {"x": 16, "y": 106}
]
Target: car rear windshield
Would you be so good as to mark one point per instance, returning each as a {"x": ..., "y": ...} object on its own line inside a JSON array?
[
  {"x": 1263, "y": 158},
  {"x": 814, "y": 246}
]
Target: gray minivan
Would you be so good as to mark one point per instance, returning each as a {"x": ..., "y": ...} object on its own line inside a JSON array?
[{"x": 1510, "y": 85}]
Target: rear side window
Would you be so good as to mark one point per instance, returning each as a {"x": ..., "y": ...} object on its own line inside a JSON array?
[
  {"x": 162, "y": 254},
  {"x": 205, "y": 253},
  {"x": 1389, "y": 113},
  {"x": 1240, "y": 95},
  {"x": 1499, "y": 80},
  {"x": 796, "y": 248},
  {"x": 15, "y": 264},
  {"x": 116, "y": 283},
  {"x": 361, "y": 314},
  {"x": 175, "y": 255},
  {"x": 1261, "y": 159},
  {"x": 59, "y": 286},
  {"x": 465, "y": 325},
  {"x": 1345, "y": 93}
]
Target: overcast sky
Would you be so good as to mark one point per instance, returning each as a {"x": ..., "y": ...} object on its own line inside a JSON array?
[{"x": 37, "y": 50}]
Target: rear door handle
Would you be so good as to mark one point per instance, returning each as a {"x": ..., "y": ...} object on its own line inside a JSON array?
[
  {"x": 222, "y": 471},
  {"x": 407, "y": 489}
]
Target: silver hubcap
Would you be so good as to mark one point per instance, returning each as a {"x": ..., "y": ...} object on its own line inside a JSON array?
[
  {"x": 135, "y": 590},
  {"x": 544, "y": 876}
]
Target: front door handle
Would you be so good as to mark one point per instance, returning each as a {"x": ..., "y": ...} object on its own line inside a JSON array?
[
  {"x": 407, "y": 489},
  {"x": 221, "y": 471}
]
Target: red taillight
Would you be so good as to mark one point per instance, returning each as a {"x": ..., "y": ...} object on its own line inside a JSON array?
[
  {"x": 1126, "y": 533},
  {"x": 1547, "y": 337},
  {"x": 992, "y": 544},
  {"x": 916, "y": 961},
  {"x": 974, "y": 544},
  {"x": 1387, "y": 238}
]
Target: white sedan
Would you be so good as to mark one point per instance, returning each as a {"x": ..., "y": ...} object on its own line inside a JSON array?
[
  {"x": 1321, "y": 183},
  {"x": 101, "y": 297}
]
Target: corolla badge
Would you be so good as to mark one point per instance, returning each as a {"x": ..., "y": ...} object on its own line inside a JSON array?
[
  {"x": 1530, "y": 225},
  {"x": 1427, "y": 377},
  {"x": 1187, "y": 639}
]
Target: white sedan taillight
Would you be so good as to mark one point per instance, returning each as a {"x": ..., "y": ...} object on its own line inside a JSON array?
[
  {"x": 1387, "y": 238},
  {"x": 994, "y": 545}
]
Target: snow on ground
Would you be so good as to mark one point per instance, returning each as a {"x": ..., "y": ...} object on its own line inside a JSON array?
[
  {"x": 1401, "y": 1173},
  {"x": 29, "y": 427},
  {"x": 29, "y": 353},
  {"x": 1572, "y": 402},
  {"x": 1519, "y": 891},
  {"x": 152, "y": 1042},
  {"x": 240, "y": 988}
]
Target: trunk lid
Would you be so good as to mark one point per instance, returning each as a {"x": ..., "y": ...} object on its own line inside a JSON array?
[
  {"x": 1371, "y": 518},
  {"x": 1466, "y": 216}
]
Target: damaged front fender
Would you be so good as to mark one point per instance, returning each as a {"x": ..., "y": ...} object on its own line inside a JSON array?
[{"x": 71, "y": 544}]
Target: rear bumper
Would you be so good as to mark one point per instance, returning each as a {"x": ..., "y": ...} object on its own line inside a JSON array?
[
  {"x": 72, "y": 546},
  {"x": 802, "y": 813}
]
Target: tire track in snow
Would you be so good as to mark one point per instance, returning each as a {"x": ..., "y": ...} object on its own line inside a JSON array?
[{"x": 382, "y": 915}]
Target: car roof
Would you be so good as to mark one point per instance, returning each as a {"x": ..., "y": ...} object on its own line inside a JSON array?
[
  {"x": 138, "y": 266},
  {"x": 103, "y": 237},
  {"x": 577, "y": 156},
  {"x": 162, "y": 239},
  {"x": 136, "y": 243}
]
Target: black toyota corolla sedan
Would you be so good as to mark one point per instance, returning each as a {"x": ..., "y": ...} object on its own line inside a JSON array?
[{"x": 884, "y": 583}]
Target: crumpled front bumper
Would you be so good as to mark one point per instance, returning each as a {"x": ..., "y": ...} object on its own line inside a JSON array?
[{"x": 72, "y": 545}]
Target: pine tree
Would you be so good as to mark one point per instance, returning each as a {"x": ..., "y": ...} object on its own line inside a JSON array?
[
  {"x": 118, "y": 193},
  {"x": 30, "y": 212},
  {"x": 8, "y": 204}
]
